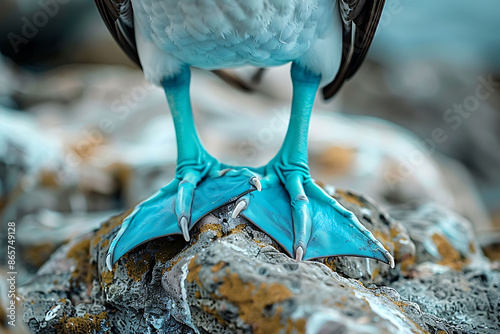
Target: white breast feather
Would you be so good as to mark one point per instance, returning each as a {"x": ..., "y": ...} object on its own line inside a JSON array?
[{"x": 227, "y": 33}]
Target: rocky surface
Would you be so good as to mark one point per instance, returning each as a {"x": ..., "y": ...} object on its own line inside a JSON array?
[
  {"x": 91, "y": 141},
  {"x": 231, "y": 278}
]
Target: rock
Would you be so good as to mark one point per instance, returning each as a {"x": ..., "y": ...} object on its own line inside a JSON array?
[
  {"x": 91, "y": 142},
  {"x": 451, "y": 277},
  {"x": 441, "y": 236},
  {"x": 232, "y": 277},
  {"x": 469, "y": 299}
]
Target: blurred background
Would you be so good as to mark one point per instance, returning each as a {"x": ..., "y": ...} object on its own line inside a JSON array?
[{"x": 83, "y": 136}]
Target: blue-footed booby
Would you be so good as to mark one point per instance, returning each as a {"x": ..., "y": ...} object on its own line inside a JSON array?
[{"x": 325, "y": 41}]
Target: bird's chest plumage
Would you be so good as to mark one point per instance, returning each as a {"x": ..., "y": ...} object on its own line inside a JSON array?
[{"x": 224, "y": 33}]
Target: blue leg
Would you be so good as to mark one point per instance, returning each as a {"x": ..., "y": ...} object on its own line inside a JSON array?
[
  {"x": 201, "y": 185},
  {"x": 290, "y": 164},
  {"x": 292, "y": 209},
  {"x": 193, "y": 161}
]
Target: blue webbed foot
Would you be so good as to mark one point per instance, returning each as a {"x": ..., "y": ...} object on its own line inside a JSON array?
[
  {"x": 306, "y": 221},
  {"x": 202, "y": 184},
  {"x": 177, "y": 207},
  {"x": 291, "y": 208}
]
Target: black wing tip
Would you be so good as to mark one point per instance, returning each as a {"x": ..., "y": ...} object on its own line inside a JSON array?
[
  {"x": 122, "y": 34},
  {"x": 351, "y": 63}
]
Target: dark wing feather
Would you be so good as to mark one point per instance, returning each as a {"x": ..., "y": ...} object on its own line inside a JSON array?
[
  {"x": 360, "y": 19},
  {"x": 119, "y": 18}
]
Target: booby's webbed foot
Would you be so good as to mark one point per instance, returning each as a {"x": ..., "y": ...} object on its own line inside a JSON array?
[
  {"x": 201, "y": 185},
  {"x": 305, "y": 220},
  {"x": 291, "y": 208},
  {"x": 177, "y": 207}
]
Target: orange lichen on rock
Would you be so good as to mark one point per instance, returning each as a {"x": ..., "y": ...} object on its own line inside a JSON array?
[
  {"x": 350, "y": 198},
  {"x": 472, "y": 248},
  {"x": 342, "y": 303},
  {"x": 218, "y": 266},
  {"x": 384, "y": 239},
  {"x": 237, "y": 229},
  {"x": 451, "y": 257},
  {"x": 247, "y": 297},
  {"x": 299, "y": 326},
  {"x": 269, "y": 324},
  {"x": 393, "y": 243},
  {"x": 395, "y": 231},
  {"x": 213, "y": 311},
  {"x": 165, "y": 250},
  {"x": 137, "y": 265},
  {"x": 263, "y": 244},
  {"x": 80, "y": 249},
  {"x": 173, "y": 264},
  {"x": 407, "y": 262},
  {"x": 330, "y": 263},
  {"x": 86, "y": 324},
  {"x": 387, "y": 242},
  {"x": 390, "y": 240},
  {"x": 251, "y": 301},
  {"x": 107, "y": 277},
  {"x": 193, "y": 271},
  {"x": 212, "y": 227},
  {"x": 84, "y": 270}
]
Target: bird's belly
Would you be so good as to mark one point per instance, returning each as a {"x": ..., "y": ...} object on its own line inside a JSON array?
[{"x": 225, "y": 33}]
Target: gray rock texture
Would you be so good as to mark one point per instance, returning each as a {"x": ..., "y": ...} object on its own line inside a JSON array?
[{"x": 232, "y": 278}]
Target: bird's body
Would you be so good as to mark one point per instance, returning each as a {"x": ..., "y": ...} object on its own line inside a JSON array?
[
  {"x": 324, "y": 39},
  {"x": 215, "y": 34}
]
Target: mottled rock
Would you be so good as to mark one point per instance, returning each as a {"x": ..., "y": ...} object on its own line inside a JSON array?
[
  {"x": 232, "y": 278},
  {"x": 469, "y": 299},
  {"x": 440, "y": 235},
  {"x": 73, "y": 154}
]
